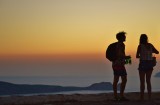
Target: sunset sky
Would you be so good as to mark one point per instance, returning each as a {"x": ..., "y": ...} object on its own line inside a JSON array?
[{"x": 69, "y": 28}]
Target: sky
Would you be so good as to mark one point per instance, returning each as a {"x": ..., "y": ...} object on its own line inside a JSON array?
[{"x": 71, "y": 36}]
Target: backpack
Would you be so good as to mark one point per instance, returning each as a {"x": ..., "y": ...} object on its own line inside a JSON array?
[{"x": 111, "y": 53}]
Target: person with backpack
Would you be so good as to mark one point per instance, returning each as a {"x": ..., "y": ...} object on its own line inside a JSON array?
[
  {"x": 116, "y": 54},
  {"x": 144, "y": 53}
]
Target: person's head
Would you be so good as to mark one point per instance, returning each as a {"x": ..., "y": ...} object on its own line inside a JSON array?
[
  {"x": 143, "y": 39},
  {"x": 121, "y": 36}
]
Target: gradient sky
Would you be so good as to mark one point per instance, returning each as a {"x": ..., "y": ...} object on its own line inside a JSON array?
[{"x": 41, "y": 28}]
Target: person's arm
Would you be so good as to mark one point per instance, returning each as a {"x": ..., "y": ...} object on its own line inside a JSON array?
[
  {"x": 138, "y": 52},
  {"x": 155, "y": 50},
  {"x": 126, "y": 56}
]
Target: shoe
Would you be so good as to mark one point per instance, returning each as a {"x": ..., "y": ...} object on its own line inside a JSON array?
[
  {"x": 124, "y": 99},
  {"x": 116, "y": 99}
]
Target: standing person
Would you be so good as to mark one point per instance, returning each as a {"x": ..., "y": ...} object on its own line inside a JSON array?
[
  {"x": 144, "y": 52},
  {"x": 118, "y": 66}
]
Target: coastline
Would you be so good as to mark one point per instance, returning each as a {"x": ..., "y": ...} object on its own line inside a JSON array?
[{"x": 79, "y": 99}]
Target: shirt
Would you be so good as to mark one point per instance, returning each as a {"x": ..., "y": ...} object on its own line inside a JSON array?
[{"x": 145, "y": 51}]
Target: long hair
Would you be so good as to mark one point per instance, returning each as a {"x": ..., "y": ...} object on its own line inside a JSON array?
[{"x": 143, "y": 39}]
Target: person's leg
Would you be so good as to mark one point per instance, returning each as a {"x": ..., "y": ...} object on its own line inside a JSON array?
[
  {"x": 142, "y": 84},
  {"x": 123, "y": 85},
  {"x": 148, "y": 80},
  {"x": 115, "y": 82}
]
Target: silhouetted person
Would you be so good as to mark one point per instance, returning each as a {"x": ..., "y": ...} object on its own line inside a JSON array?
[
  {"x": 119, "y": 67},
  {"x": 144, "y": 52}
]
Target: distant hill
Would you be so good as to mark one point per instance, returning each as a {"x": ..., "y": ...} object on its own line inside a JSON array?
[
  {"x": 157, "y": 74},
  {"x": 15, "y": 89}
]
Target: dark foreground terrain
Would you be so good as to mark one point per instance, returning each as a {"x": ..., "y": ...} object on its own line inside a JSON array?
[{"x": 79, "y": 99}]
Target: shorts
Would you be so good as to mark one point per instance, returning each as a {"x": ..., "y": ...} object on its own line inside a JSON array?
[
  {"x": 145, "y": 65},
  {"x": 119, "y": 70}
]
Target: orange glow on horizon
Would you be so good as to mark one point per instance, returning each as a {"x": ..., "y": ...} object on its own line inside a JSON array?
[
  {"x": 67, "y": 29},
  {"x": 52, "y": 56}
]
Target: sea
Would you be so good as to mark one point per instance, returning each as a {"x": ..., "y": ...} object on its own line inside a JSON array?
[{"x": 80, "y": 81}]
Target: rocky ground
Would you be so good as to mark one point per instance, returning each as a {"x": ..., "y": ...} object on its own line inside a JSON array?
[{"x": 79, "y": 99}]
